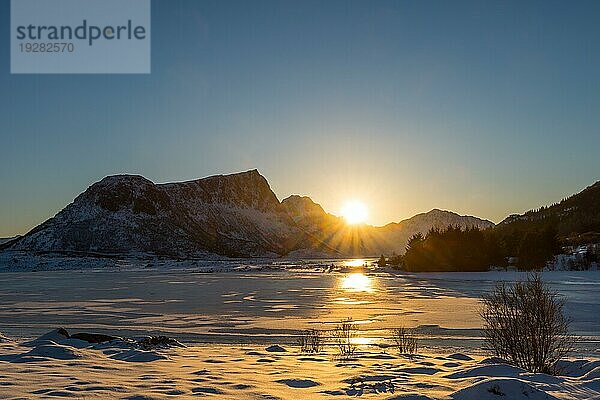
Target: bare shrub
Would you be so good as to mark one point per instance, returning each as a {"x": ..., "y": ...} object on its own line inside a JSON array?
[
  {"x": 405, "y": 340},
  {"x": 311, "y": 341},
  {"x": 343, "y": 335},
  {"x": 524, "y": 323}
]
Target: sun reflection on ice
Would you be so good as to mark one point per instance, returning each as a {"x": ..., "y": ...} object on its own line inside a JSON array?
[
  {"x": 357, "y": 282},
  {"x": 357, "y": 262},
  {"x": 362, "y": 340}
]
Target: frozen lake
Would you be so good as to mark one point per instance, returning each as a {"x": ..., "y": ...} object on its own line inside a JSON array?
[{"x": 271, "y": 306}]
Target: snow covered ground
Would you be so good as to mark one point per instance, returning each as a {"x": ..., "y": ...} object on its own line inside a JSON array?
[
  {"x": 55, "y": 366},
  {"x": 228, "y": 313}
]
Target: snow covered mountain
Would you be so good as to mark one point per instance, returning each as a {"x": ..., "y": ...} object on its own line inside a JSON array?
[
  {"x": 397, "y": 234},
  {"x": 235, "y": 215}
]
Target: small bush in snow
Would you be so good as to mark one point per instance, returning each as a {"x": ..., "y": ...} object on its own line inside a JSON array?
[
  {"x": 343, "y": 335},
  {"x": 311, "y": 341},
  {"x": 524, "y": 323},
  {"x": 405, "y": 340}
]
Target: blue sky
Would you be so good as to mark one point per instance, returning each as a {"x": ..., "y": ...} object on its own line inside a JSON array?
[{"x": 484, "y": 108}]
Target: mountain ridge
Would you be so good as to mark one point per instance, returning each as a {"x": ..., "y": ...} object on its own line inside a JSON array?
[
  {"x": 576, "y": 218},
  {"x": 235, "y": 215}
]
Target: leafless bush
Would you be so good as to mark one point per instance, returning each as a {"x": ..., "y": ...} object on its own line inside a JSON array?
[
  {"x": 405, "y": 340},
  {"x": 524, "y": 323},
  {"x": 311, "y": 341},
  {"x": 343, "y": 335}
]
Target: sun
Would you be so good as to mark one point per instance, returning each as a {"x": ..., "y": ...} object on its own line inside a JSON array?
[{"x": 355, "y": 212}]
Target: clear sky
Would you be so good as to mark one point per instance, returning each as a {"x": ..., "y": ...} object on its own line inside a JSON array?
[{"x": 484, "y": 108}]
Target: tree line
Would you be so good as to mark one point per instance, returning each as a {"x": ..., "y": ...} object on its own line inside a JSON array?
[{"x": 472, "y": 249}]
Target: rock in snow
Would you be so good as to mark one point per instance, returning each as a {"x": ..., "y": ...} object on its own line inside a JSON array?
[
  {"x": 58, "y": 344},
  {"x": 275, "y": 349}
]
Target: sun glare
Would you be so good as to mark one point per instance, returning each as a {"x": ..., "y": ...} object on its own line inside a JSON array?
[
  {"x": 357, "y": 282},
  {"x": 355, "y": 212},
  {"x": 357, "y": 262}
]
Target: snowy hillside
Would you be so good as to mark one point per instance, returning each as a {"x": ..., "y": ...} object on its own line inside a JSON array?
[
  {"x": 7, "y": 239},
  {"x": 234, "y": 215},
  {"x": 576, "y": 219}
]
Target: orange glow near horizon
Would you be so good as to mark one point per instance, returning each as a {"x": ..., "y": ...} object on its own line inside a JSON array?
[{"x": 355, "y": 212}]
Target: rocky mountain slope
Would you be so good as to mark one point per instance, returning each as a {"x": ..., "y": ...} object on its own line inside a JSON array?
[
  {"x": 576, "y": 219},
  {"x": 7, "y": 239},
  {"x": 232, "y": 215},
  {"x": 235, "y": 215}
]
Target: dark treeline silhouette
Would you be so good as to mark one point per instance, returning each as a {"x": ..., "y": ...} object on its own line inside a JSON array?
[
  {"x": 471, "y": 249},
  {"x": 533, "y": 245},
  {"x": 525, "y": 241}
]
